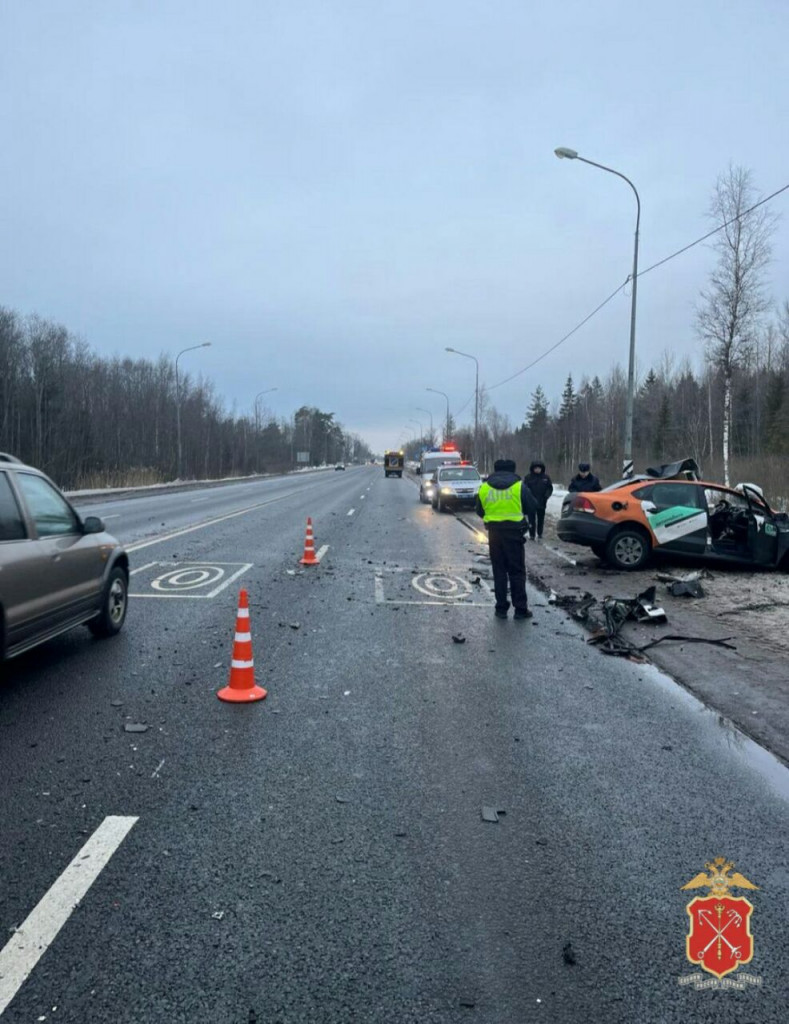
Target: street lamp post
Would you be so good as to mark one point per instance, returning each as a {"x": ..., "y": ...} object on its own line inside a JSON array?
[
  {"x": 446, "y": 396},
  {"x": 570, "y": 154},
  {"x": 257, "y": 426},
  {"x": 430, "y": 414},
  {"x": 476, "y": 399},
  {"x": 205, "y": 344}
]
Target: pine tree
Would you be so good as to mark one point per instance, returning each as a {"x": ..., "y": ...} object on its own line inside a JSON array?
[
  {"x": 537, "y": 413},
  {"x": 569, "y": 399}
]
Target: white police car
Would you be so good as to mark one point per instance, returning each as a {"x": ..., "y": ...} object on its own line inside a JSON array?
[{"x": 455, "y": 487}]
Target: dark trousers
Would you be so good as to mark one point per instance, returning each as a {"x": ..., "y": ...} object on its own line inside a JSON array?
[
  {"x": 536, "y": 523},
  {"x": 508, "y": 562}
]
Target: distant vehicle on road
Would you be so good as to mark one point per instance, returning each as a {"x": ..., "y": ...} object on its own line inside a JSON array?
[
  {"x": 670, "y": 511},
  {"x": 394, "y": 463},
  {"x": 455, "y": 487},
  {"x": 339, "y": 466},
  {"x": 443, "y": 455},
  {"x": 57, "y": 570}
]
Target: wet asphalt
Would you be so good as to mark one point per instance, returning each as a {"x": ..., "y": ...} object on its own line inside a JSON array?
[{"x": 321, "y": 856}]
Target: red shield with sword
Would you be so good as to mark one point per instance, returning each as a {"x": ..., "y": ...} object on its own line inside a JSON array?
[{"x": 720, "y": 938}]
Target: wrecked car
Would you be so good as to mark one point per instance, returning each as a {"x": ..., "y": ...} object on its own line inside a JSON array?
[{"x": 671, "y": 511}]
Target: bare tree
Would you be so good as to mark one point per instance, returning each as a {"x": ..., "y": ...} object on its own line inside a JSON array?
[{"x": 734, "y": 303}]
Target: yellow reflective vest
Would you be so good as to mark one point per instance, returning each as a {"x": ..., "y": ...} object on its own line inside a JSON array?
[{"x": 501, "y": 506}]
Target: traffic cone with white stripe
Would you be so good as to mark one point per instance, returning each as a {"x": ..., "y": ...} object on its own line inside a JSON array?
[
  {"x": 309, "y": 547},
  {"x": 241, "y": 687}
]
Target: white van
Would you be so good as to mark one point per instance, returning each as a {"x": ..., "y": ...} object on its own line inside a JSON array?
[{"x": 446, "y": 455}]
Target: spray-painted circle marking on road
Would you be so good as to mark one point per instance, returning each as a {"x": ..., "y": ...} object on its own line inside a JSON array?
[
  {"x": 188, "y": 578},
  {"x": 441, "y": 586}
]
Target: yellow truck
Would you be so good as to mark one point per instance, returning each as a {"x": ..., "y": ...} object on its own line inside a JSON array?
[{"x": 394, "y": 463}]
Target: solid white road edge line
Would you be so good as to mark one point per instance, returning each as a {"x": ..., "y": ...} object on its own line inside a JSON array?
[
  {"x": 321, "y": 552},
  {"x": 38, "y": 931},
  {"x": 561, "y": 554}
]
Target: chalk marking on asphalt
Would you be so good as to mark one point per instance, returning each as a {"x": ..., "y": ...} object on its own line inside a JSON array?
[
  {"x": 115, "y": 515},
  {"x": 157, "y": 769},
  {"x": 451, "y": 601},
  {"x": 40, "y": 928},
  {"x": 352, "y": 512},
  {"x": 142, "y": 568},
  {"x": 170, "y": 578},
  {"x": 321, "y": 552},
  {"x": 209, "y": 522},
  {"x": 196, "y": 501},
  {"x": 561, "y": 554}
]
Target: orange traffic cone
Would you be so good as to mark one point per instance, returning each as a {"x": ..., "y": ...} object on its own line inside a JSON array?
[
  {"x": 241, "y": 687},
  {"x": 309, "y": 547}
]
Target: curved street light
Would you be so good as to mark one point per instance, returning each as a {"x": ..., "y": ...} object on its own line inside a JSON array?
[
  {"x": 205, "y": 344},
  {"x": 446, "y": 396},
  {"x": 476, "y": 398},
  {"x": 430, "y": 414},
  {"x": 563, "y": 153}
]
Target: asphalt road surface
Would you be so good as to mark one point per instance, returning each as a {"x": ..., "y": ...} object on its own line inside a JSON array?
[{"x": 321, "y": 856}]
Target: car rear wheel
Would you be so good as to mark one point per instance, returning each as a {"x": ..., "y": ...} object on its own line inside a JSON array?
[
  {"x": 114, "y": 603},
  {"x": 628, "y": 549}
]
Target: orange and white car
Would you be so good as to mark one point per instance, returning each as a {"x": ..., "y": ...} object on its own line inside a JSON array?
[{"x": 670, "y": 511}]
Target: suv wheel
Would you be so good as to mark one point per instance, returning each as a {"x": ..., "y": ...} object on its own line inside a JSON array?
[
  {"x": 628, "y": 549},
  {"x": 114, "y": 603}
]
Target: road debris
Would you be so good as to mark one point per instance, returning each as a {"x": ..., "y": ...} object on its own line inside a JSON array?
[
  {"x": 490, "y": 814},
  {"x": 458, "y": 638},
  {"x": 686, "y": 588},
  {"x": 135, "y": 727},
  {"x": 218, "y": 915},
  {"x": 568, "y": 954}
]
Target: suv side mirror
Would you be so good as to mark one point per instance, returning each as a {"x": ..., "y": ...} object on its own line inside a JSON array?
[{"x": 93, "y": 525}]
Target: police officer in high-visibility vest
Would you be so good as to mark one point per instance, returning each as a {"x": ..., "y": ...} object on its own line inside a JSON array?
[{"x": 505, "y": 502}]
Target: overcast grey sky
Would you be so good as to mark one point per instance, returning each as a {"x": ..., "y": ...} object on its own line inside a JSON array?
[{"x": 332, "y": 192}]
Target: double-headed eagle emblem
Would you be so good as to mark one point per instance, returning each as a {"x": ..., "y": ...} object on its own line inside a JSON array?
[{"x": 719, "y": 881}]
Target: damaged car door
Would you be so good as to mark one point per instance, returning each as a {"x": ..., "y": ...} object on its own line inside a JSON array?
[{"x": 677, "y": 516}]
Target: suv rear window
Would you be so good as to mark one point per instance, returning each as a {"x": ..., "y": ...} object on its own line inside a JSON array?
[{"x": 11, "y": 525}]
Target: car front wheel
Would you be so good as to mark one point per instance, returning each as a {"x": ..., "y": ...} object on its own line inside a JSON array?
[
  {"x": 114, "y": 603},
  {"x": 628, "y": 549}
]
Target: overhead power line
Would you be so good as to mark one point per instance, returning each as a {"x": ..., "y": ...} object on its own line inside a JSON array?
[{"x": 629, "y": 277}]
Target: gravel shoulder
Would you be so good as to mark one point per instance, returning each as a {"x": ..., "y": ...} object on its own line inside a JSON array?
[{"x": 750, "y": 686}]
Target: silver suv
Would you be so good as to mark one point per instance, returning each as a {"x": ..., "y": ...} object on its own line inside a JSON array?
[{"x": 57, "y": 570}]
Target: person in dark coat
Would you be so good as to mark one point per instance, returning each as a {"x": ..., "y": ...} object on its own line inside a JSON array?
[
  {"x": 584, "y": 480},
  {"x": 541, "y": 487},
  {"x": 503, "y": 502}
]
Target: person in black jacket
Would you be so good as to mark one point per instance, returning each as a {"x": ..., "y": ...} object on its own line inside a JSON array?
[
  {"x": 585, "y": 480},
  {"x": 541, "y": 487},
  {"x": 503, "y": 502}
]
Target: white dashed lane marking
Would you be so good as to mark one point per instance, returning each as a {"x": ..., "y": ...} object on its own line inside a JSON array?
[
  {"x": 38, "y": 931},
  {"x": 351, "y": 511}
]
